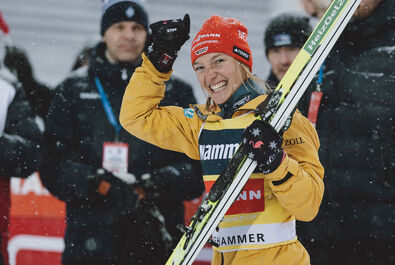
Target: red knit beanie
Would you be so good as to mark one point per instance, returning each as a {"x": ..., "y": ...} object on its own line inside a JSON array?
[{"x": 222, "y": 35}]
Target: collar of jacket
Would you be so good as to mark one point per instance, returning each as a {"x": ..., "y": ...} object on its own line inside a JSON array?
[
  {"x": 108, "y": 72},
  {"x": 245, "y": 93},
  {"x": 272, "y": 80}
]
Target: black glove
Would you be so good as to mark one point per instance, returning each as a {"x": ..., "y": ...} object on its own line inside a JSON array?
[
  {"x": 114, "y": 191},
  {"x": 166, "y": 40},
  {"x": 263, "y": 145},
  {"x": 269, "y": 106},
  {"x": 18, "y": 63}
]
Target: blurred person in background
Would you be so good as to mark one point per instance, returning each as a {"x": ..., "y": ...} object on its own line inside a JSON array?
[
  {"x": 20, "y": 150},
  {"x": 123, "y": 196},
  {"x": 20, "y": 143},
  {"x": 284, "y": 36},
  {"x": 17, "y": 62},
  {"x": 37, "y": 94},
  {"x": 316, "y": 8},
  {"x": 356, "y": 128}
]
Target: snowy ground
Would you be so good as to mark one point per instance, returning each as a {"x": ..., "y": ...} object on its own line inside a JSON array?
[{"x": 53, "y": 31}]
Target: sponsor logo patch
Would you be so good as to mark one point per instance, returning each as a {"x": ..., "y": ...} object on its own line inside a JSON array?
[
  {"x": 242, "y": 101},
  {"x": 201, "y": 51},
  {"x": 171, "y": 30},
  {"x": 250, "y": 200},
  {"x": 294, "y": 141},
  {"x": 189, "y": 113},
  {"x": 251, "y": 238},
  {"x": 241, "y": 53},
  {"x": 243, "y": 35},
  {"x": 208, "y": 35},
  {"x": 217, "y": 151},
  {"x": 166, "y": 59}
]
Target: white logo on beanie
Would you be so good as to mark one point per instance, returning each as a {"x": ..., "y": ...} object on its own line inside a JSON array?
[
  {"x": 242, "y": 35},
  {"x": 129, "y": 12},
  {"x": 108, "y": 3},
  {"x": 207, "y": 35},
  {"x": 282, "y": 39}
]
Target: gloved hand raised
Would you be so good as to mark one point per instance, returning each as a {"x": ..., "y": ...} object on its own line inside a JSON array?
[
  {"x": 166, "y": 39},
  {"x": 115, "y": 189},
  {"x": 263, "y": 145},
  {"x": 17, "y": 61}
]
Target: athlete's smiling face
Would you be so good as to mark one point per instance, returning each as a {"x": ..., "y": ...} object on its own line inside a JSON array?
[{"x": 219, "y": 74}]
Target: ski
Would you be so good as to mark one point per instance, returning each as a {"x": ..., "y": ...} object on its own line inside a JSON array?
[{"x": 276, "y": 110}]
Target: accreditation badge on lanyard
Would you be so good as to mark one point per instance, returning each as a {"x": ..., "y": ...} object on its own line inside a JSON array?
[
  {"x": 314, "y": 106},
  {"x": 315, "y": 100},
  {"x": 115, "y": 154}
]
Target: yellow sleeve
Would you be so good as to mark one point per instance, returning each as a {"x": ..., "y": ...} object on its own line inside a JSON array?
[
  {"x": 166, "y": 127},
  {"x": 302, "y": 193}
]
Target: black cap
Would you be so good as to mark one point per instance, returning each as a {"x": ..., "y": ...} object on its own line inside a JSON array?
[
  {"x": 287, "y": 30},
  {"x": 115, "y": 11}
]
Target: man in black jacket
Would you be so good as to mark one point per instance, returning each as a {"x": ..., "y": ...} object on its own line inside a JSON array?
[
  {"x": 92, "y": 162},
  {"x": 20, "y": 141},
  {"x": 356, "y": 128}
]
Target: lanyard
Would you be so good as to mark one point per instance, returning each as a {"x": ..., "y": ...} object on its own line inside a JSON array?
[
  {"x": 108, "y": 109},
  {"x": 320, "y": 78}
]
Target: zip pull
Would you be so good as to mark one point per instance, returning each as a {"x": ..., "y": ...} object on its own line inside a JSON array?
[
  {"x": 318, "y": 87},
  {"x": 124, "y": 75}
]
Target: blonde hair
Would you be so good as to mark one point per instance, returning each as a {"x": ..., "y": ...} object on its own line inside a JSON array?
[{"x": 245, "y": 75}]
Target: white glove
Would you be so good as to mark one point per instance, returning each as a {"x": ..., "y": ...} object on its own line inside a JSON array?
[{"x": 128, "y": 178}]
